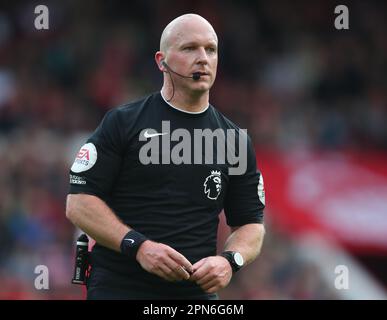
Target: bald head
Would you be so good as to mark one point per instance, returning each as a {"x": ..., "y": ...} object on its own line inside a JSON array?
[
  {"x": 188, "y": 46},
  {"x": 181, "y": 25}
]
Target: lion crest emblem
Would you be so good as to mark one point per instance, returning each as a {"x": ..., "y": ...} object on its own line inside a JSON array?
[{"x": 213, "y": 185}]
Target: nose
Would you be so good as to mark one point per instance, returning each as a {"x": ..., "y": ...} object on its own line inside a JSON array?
[{"x": 202, "y": 56}]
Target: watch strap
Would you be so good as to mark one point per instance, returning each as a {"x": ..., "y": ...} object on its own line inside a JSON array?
[{"x": 229, "y": 255}]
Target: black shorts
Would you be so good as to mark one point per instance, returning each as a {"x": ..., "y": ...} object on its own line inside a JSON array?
[
  {"x": 117, "y": 294},
  {"x": 106, "y": 285}
]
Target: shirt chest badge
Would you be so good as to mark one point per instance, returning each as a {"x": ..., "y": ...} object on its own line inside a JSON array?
[{"x": 213, "y": 185}]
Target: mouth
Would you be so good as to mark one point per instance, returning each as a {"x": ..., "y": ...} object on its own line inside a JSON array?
[
  {"x": 202, "y": 76},
  {"x": 202, "y": 73}
]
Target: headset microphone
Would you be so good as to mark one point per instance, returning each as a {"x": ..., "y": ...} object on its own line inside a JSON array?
[{"x": 195, "y": 76}]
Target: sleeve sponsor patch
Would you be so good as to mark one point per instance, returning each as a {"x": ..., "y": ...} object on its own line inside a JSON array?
[
  {"x": 85, "y": 159},
  {"x": 76, "y": 179}
]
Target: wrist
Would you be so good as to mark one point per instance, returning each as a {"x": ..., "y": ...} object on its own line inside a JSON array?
[
  {"x": 131, "y": 243},
  {"x": 227, "y": 263},
  {"x": 141, "y": 248}
]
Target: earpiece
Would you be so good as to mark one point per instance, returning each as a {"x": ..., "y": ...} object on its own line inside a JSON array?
[{"x": 163, "y": 63}]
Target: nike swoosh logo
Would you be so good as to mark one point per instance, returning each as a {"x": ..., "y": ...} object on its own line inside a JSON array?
[
  {"x": 130, "y": 240},
  {"x": 150, "y": 135}
]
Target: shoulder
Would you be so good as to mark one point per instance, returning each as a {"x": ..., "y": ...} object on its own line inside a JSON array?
[
  {"x": 224, "y": 122},
  {"x": 132, "y": 109},
  {"x": 241, "y": 134},
  {"x": 125, "y": 116}
]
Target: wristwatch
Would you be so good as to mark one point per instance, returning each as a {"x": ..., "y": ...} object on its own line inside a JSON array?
[{"x": 234, "y": 258}]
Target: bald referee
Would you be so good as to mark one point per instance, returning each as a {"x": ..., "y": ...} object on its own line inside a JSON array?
[{"x": 149, "y": 190}]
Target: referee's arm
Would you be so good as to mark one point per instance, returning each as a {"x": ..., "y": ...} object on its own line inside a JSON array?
[
  {"x": 214, "y": 273},
  {"x": 247, "y": 240},
  {"x": 94, "y": 217}
]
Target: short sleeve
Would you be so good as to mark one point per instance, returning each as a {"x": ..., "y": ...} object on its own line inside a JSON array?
[
  {"x": 245, "y": 198},
  {"x": 97, "y": 164}
]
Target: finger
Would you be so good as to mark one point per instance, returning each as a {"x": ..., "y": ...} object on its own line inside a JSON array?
[
  {"x": 180, "y": 273},
  {"x": 160, "y": 273},
  {"x": 188, "y": 271},
  {"x": 206, "y": 278},
  {"x": 201, "y": 272},
  {"x": 214, "y": 283},
  {"x": 213, "y": 289},
  {"x": 198, "y": 264},
  {"x": 176, "y": 270},
  {"x": 180, "y": 260},
  {"x": 165, "y": 272}
]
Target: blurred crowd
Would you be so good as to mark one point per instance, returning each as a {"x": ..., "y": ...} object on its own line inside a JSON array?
[
  {"x": 285, "y": 73},
  {"x": 279, "y": 272}
]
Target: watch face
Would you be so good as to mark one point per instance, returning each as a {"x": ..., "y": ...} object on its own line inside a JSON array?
[{"x": 238, "y": 259}]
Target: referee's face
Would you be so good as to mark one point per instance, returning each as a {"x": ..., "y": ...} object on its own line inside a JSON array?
[{"x": 193, "y": 48}]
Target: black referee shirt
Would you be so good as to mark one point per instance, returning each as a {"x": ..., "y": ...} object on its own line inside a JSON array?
[{"x": 175, "y": 204}]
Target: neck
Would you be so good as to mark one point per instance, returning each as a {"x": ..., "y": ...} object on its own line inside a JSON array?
[{"x": 191, "y": 102}]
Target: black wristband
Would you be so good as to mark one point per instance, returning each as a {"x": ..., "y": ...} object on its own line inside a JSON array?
[{"x": 131, "y": 243}]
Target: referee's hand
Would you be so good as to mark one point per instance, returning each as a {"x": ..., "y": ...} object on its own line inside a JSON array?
[
  {"x": 164, "y": 261},
  {"x": 212, "y": 273}
]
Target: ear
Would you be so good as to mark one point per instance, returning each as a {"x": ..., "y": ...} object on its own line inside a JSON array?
[{"x": 159, "y": 58}]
